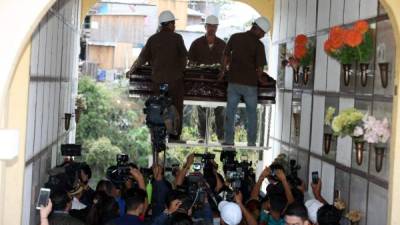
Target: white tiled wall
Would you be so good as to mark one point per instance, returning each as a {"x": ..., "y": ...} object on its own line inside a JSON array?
[
  {"x": 321, "y": 63},
  {"x": 306, "y": 103},
  {"x": 317, "y": 124},
  {"x": 351, "y": 10},
  {"x": 314, "y": 18},
  {"x": 311, "y": 15},
  {"x": 336, "y": 14},
  {"x": 323, "y": 14}
]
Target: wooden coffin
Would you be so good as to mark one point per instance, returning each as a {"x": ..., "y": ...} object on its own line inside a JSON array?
[{"x": 201, "y": 84}]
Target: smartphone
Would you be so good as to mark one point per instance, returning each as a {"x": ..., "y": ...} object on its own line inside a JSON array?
[
  {"x": 314, "y": 176},
  {"x": 43, "y": 198}
]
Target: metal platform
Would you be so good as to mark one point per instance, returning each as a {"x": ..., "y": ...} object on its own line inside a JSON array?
[{"x": 237, "y": 146}]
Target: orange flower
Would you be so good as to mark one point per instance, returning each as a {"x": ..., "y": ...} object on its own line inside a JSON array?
[
  {"x": 328, "y": 46},
  {"x": 353, "y": 38},
  {"x": 301, "y": 39},
  {"x": 361, "y": 26},
  {"x": 337, "y": 32},
  {"x": 300, "y": 51}
]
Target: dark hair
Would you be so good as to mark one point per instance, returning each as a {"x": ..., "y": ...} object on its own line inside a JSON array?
[
  {"x": 253, "y": 205},
  {"x": 298, "y": 210},
  {"x": 328, "y": 215},
  {"x": 106, "y": 186},
  {"x": 135, "y": 197},
  {"x": 180, "y": 219},
  {"x": 166, "y": 24},
  {"x": 277, "y": 203},
  {"x": 104, "y": 209},
  {"x": 60, "y": 199},
  {"x": 182, "y": 196},
  {"x": 86, "y": 169}
]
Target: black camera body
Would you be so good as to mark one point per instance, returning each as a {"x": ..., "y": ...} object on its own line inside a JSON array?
[
  {"x": 161, "y": 118},
  {"x": 119, "y": 173},
  {"x": 293, "y": 178}
]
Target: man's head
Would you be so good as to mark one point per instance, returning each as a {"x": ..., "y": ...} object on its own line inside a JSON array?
[
  {"x": 85, "y": 173},
  {"x": 167, "y": 20},
  {"x": 230, "y": 213},
  {"x": 328, "y": 215},
  {"x": 136, "y": 201},
  {"x": 278, "y": 204},
  {"x": 211, "y": 25},
  {"x": 296, "y": 214},
  {"x": 61, "y": 201},
  {"x": 261, "y": 26}
]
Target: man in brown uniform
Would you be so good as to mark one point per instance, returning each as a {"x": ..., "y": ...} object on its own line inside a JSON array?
[
  {"x": 167, "y": 54},
  {"x": 244, "y": 60},
  {"x": 208, "y": 50}
]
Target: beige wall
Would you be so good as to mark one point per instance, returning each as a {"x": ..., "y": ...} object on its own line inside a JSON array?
[
  {"x": 103, "y": 56},
  {"x": 179, "y": 8}
]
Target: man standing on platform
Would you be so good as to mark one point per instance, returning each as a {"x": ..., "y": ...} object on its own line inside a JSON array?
[
  {"x": 167, "y": 54},
  {"x": 208, "y": 50},
  {"x": 244, "y": 60}
]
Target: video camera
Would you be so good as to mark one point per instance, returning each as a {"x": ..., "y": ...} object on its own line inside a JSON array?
[
  {"x": 161, "y": 118},
  {"x": 119, "y": 174},
  {"x": 239, "y": 174},
  {"x": 293, "y": 178}
]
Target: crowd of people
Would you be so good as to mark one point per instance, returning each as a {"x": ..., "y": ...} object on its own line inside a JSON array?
[{"x": 171, "y": 203}]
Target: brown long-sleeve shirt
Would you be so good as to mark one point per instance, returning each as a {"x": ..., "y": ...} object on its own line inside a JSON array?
[
  {"x": 167, "y": 54},
  {"x": 201, "y": 53}
]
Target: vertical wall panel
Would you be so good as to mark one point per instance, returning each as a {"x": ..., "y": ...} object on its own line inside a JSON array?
[
  {"x": 305, "y": 124},
  {"x": 336, "y": 14},
  {"x": 292, "y": 18},
  {"x": 377, "y": 208},
  {"x": 321, "y": 61},
  {"x": 277, "y": 21},
  {"x": 323, "y": 14},
  {"x": 279, "y": 115},
  {"x": 301, "y": 16},
  {"x": 368, "y": 8},
  {"x": 317, "y": 124},
  {"x": 358, "y": 196},
  {"x": 333, "y": 76},
  {"x": 284, "y": 19},
  {"x": 351, "y": 10},
  {"x": 328, "y": 181},
  {"x": 287, "y": 113},
  {"x": 311, "y": 16}
]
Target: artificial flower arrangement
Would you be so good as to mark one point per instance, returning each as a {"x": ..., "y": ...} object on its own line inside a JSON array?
[
  {"x": 348, "y": 123},
  {"x": 354, "y": 216},
  {"x": 339, "y": 204},
  {"x": 80, "y": 103},
  {"x": 302, "y": 56},
  {"x": 80, "y": 106},
  {"x": 349, "y": 46},
  {"x": 361, "y": 128},
  {"x": 328, "y": 137}
]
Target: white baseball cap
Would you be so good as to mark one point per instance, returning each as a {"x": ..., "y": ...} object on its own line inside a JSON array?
[
  {"x": 312, "y": 207},
  {"x": 166, "y": 16},
  {"x": 263, "y": 23},
  {"x": 230, "y": 212},
  {"x": 211, "y": 19}
]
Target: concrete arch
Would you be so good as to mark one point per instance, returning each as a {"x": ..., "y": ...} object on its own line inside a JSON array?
[{"x": 20, "y": 18}]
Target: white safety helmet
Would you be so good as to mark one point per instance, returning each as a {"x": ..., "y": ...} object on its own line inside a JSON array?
[
  {"x": 166, "y": 16},
  {"x": 211, "y": 19},
  {"x": 263, "y": 23}
]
